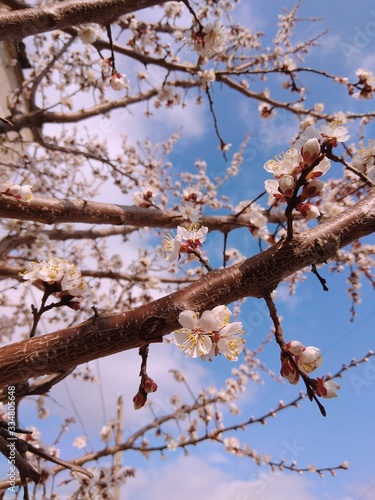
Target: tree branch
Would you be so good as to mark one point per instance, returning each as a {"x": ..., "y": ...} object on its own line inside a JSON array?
[
  {"x": 39, "y": 117},
  {"x": 51, "y": 211},
  {"x": 108, "y": 334},
  {"x": 22, "y": 23}
]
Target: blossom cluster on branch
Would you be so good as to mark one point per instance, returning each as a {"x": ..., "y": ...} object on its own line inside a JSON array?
[
  {"x": 297, "y": 358},
  {"x": 209, "y": 334},
  {"x": 300, "y": 169},
  {"x": 58, "y": 277}
]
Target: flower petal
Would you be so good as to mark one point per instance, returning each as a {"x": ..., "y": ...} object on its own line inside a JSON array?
[
  {"x": 193, "y": 344},
  {"x": 188, "y": 319}
]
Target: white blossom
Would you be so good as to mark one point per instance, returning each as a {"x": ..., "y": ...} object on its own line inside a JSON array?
[
  {"x": 364, "y": 160},
  {"x": 67, "y": 278},
  {"x": 118, "y": 82},
  {"x": 106, "y": 67},
  {"x": 173, "y": 9},
  {"x": 107, "y": 431},
  {"x": 80, "y": 442},
  {"x": 146, "y": 197},
  {"x": 310, "y": 359},
  {"x": 288, "y": 164},
  {"x": 310, "y": 132},
  {"x": 206, "y": 77},
  {"x": 185, "y": 241},
  {"x": 230, "y": 341},
  {"x": 210, "y": 333},
  {"x": 210, "y": 40},
  {"x": 21, "y": 193},
  {"x": 189, "y": 211},
  {"x": 334, "y": 133},
  {"x": 89, "y": 33},
  {"x": 327, "y": 389},
  {"x": 231, "y": 444}
]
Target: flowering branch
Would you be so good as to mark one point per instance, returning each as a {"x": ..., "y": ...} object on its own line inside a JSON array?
[
  {"x": 340, "y": 159},
  {"x": 150, "y": 322},
  {"x": 290, "y": 368}
]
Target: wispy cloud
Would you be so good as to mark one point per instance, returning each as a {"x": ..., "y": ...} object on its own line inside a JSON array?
[{"x": 193, "y": 477}]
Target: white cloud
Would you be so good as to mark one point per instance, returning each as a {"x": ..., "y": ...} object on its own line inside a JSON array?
[{"x": 191, "y": 477}]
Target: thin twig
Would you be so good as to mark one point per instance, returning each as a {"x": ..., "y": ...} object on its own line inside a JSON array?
[{"x": 322, "y": 280}]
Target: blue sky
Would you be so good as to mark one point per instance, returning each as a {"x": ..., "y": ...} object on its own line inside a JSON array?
[{"x": 312, "y": 316}]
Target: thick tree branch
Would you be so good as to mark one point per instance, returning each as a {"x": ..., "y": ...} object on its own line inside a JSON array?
[
  {"x": 22, "y": 23},
  {"x": 53, "y": 211},
  {"x": 108, "y": 334}
]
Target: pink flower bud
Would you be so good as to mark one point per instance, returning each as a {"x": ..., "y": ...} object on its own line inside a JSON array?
[
  {"x": 150, "y": 386},
  {"x": 310, "y": 151},
  {"x": 295, "y": 347},
  {"x": 326, "y": 389},
  {"x": 139, "y": 400},
  {"x": 287, "y": 185},
  {"x": 311, "y": 189},
  {"x": 308, "y": 210},
  {"x": 288, "y": 371}
]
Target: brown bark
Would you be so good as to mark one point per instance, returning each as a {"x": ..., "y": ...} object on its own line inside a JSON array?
[
  {"x": 111, "y": 333},
  {"x": 53, "y": 211},
  {"x": 22, "y": 23}
]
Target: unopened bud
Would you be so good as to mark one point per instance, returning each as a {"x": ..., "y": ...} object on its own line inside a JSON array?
[
  {"x": 308, "y": 210},
  {"x": 310, "y": 151},
  {"x": 312, "y": 188},
  {"x": 150, "y": 386},
  {"x": 295, "y": 347},
  {"x": 139, "y": 400}
]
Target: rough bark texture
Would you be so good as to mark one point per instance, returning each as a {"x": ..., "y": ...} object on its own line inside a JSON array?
[
  {"x": 111, "y": 333},
  {"x": 52, "y": 211},
  {"x": 22, "y": 23}
]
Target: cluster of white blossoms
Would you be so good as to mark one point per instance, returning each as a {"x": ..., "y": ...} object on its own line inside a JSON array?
[
  {"x": 300, "y": 168},
  {"x": 367, "y": 80},
  {"x": 64, "y": 277},
  {"x": 20, "y": 193},
  {"x": 208, "y": 40},
  {"x": 191, "y": 205},
  {"x": 167, "y": 95},
  {"x": 307, "y": 359},
  {"x": 173, "y": 9},
  {"x": 209, "y": 334},
  {"x": 146, "y": 197},
  {"x": 364, "y": 161},
  {"x": 116, "y": 80},
  {"x": 89, "y": 33},
  {"x": 185, "y": 241},
  {"x": 206, "y": 77}
]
